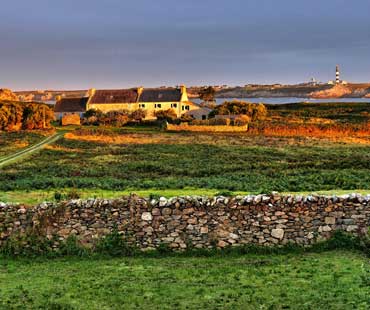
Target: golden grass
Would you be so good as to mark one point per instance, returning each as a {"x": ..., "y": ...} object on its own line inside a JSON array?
[
  {"x": 269, "y": 134},
  {"x": 55, "y": 147},
  {"x": 349, "y": 134},
  {"x": 200, "y": 128}
]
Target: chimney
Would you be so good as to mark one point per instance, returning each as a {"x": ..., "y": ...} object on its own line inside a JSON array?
[
  {"x": 139, "y": 92},
  {"x": 184, "y": 93},
  {"x": 91, "y": 92}
]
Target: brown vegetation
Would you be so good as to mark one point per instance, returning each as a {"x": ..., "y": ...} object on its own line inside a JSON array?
[
  {"x": 113, "y": 118},
  {"x": 334, "y": 132},
  {"x": 207, "y": 128},
  {"x": 7, "y": 94},
  {"x": 256, "y": 111},
  {"x": 15, "y": 116}
]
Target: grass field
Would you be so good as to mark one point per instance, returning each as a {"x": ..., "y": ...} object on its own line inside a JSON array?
[
  {"x": 342, "y": 112},
  {"x": 176, "y": 161},
  {"x": 329, "y": 280}
]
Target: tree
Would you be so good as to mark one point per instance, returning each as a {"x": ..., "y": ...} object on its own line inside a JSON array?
[
  {"x": 207, "y": 94},
  {"x": 37, "y": 116},
  {"x": 15, "y": 115},
  {"x": 256, "y": 111}
]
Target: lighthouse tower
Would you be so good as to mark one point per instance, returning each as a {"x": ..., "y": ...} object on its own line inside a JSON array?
[{"x": 337, "y": 75}]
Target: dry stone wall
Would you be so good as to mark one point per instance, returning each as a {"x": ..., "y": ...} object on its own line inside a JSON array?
[{"x": 199, "y": 222}]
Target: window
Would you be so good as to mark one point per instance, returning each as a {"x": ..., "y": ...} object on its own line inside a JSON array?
[
  {"x": 173, "y": 105},
  {"x": 158, "y": 105},
  {"x": 204, "y": 117},
  {"x": 142, "y": 106},
  {"x": 185, "y": 107}
]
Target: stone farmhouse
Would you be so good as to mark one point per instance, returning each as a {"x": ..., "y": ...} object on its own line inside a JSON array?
[{"x": 150, "y": 100}]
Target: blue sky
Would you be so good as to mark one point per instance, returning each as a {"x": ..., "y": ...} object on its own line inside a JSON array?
[{"x": 119, "y": 43}]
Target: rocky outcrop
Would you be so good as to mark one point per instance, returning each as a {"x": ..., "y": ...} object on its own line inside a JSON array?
[
  {"x": 7, "y": 94},
  {"x": 198, "y": 222},
  {"x": 336, "y": 91}
]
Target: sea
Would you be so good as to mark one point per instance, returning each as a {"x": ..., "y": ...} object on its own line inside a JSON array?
[
  {"x": 282, "y": 100},
  {"x": 275, "y": 100}
]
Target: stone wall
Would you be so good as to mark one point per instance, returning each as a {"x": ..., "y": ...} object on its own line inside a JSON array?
[{"x": 193, "y": 221}]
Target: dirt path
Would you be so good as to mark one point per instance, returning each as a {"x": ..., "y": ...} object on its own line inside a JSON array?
[{"x": 29, "y": 150}]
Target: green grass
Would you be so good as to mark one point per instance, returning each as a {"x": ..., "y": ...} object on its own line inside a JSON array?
[
  {"x": 33, "y": 197},
  {"x": 241, "y": 168},
  {"x": 344, "y": 112},
  {"x": 329, "y": 280}
]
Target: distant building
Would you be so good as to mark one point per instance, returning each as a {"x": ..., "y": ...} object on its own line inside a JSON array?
[
  {"x": 337, "y": 80},
  {"x": 70, "y": 106},
  {"x": 150, "y": 100},
  {"x": 337, "y": 75}
]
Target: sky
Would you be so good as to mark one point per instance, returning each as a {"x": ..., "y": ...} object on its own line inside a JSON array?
[{"x": 79, "y": 44}]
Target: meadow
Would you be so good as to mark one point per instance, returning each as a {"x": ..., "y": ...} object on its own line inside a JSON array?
[
  {"x": 162, "y": 161},
  {"x": 330, "y": 280}
]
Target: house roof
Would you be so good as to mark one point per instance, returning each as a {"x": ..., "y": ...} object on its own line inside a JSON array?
[
  {"x": 71, "y": 105},
  {"x": 160, "y": 95},
  {"x": 114, "y": 96}
]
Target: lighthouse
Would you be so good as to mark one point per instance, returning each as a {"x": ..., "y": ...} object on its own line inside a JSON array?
[{"x": 337, "y": 75}]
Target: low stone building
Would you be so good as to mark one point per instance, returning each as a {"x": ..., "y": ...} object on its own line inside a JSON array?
[
  {"x": 150, "y": 100},
  {"x": 70, "y": 106}
]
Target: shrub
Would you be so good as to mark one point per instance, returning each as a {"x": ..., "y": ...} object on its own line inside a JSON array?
[
  {"x": 186, "y": 118},
  {"x": 117, "y": 118},
  {"x": 256, "y": 111},
  {"x": 242, "y": 120},
  {"x": 138, "y": 115},
  {"x": 166, "y": 115},
  {"x": 58, "y": 196}
]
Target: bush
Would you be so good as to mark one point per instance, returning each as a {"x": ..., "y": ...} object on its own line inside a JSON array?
[
  {"x": 116, "y": 118},
  {"x": 138, "y": 115},
  {"x": 166, "y": 115},
  {"x": 256, "y": 111}
]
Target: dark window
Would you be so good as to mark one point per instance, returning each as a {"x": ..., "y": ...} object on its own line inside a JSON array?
[
  {"x": 142, "y": 106},
  {"x": 173, "y": 105},
  {"x": 204, "y": 117},
  {"x": 158, "y": 105}
]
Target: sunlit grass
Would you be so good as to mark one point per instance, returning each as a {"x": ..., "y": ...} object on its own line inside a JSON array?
[{"x": 38, "y": 196}]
